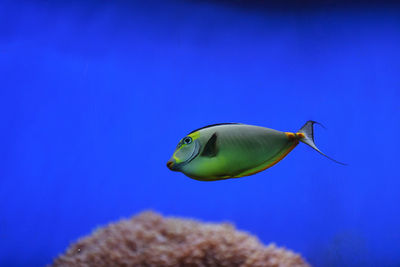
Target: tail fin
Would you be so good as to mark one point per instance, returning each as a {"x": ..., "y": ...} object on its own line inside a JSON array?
[{"x": 307, "y": 137}]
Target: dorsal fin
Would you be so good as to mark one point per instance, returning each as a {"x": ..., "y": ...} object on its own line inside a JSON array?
[
  {"x": 210, "y": 149},
  {"x": 212, "y": 125}
]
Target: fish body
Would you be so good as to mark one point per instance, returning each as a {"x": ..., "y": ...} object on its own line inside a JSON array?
[{"x": 232, "y": 150}]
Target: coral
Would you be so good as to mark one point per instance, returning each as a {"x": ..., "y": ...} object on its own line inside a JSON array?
[{"x": 151, "y": 240}]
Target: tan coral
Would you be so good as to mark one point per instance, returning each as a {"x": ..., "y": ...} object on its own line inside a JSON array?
[{"x": 151, "y": 240}]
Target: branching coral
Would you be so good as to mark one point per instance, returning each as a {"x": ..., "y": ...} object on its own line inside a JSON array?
[{"x": 151, "y": 240}]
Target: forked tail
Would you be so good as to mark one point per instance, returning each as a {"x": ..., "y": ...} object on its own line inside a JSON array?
[{"x": 306, "y": 134}]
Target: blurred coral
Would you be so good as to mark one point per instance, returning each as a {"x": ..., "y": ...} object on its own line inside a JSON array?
[{"x": 151, "y": 240}]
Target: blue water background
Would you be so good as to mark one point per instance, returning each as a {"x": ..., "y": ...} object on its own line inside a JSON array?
[{"x": 94, "y": 97}]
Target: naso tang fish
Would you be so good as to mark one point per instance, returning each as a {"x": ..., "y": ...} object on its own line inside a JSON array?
[{"x": 232, "y": 150}]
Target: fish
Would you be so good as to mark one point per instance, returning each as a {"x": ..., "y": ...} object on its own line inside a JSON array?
[{"x": 233, "y": 150}]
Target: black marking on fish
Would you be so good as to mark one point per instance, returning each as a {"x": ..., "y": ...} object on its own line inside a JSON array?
[
  {"x": 210, "y": 149},
  {"x": 212, "y": 125}
]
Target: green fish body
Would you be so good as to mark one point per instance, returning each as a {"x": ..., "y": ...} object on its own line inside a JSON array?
[{"x": 232, "y": 150}]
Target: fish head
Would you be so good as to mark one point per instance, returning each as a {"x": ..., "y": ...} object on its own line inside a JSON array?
[{"x": 186, "y": 150}]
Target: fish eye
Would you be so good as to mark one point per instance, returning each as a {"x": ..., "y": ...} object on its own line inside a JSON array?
[{"x": 187, "y": 140}]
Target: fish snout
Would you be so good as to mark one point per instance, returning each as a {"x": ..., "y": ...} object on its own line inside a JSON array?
[{"x": 170, "y": 165}]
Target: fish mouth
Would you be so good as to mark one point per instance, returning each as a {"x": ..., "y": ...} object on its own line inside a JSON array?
[{"x": 171, "y": 165}]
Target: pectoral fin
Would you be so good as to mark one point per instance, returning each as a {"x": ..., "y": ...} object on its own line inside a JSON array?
[{"x": 210, "y": 149}]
